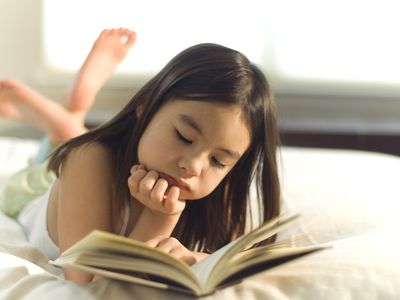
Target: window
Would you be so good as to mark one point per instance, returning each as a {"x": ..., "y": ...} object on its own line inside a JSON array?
[
  {"x": 347, "y": 42},
  {"x": 164, "y": 28},
  {"x": 309, "y": 43}
]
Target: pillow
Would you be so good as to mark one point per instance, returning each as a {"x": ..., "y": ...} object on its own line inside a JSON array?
[{"x": 339, "y": 193}]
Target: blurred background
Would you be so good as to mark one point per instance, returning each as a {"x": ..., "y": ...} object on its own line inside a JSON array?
[{"x": 334, "y": 66}]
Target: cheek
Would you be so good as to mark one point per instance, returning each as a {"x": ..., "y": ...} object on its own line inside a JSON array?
[
  {"x": 206, "y": 186},
  {"x": 212, "y": 184},
  {"x": 153, "y": 151},
  {"x": 146, "y": 152}
]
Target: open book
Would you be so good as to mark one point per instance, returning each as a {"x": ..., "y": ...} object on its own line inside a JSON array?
[{"x": 117, "y": 257}]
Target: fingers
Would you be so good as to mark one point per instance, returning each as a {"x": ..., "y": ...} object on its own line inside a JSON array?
[
  {"x": 170, "y": 245},
  {"x": 154, "y": 242},
  {"x": 152, "y": 188},
  {"x": 147, "y": 183},
  {"x": 171, "y": 204},
  {"x": 189, "y": 259},
  {"x": 154, "y": 192},
  {"x": 137, "y": 174},
  {"x": 173, "y": 247},
  {"x": 159, "y": 190},
  {"x": 167, "y": 244}
]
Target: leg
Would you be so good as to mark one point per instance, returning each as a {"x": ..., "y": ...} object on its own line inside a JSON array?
[
  {"x": 23, "y": 187},
  {"x": 20, "y": 103},
  {"x": 107, "y": 52}
]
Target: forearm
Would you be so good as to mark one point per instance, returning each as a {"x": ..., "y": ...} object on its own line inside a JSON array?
[{"x": 151, "y": 225}]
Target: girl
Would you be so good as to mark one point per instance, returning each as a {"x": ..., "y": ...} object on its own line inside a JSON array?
[{"x": 174, "y": 167}]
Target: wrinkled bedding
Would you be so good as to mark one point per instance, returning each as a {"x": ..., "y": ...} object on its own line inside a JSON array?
[{"x": 346, "y": 198}]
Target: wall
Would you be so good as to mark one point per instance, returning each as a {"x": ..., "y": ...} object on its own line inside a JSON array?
[
  {"x": 19, "y": 31},
  {"x": 308, "y": 111}
]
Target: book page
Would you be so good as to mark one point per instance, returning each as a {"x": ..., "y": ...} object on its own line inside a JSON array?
[
  {"x": 105, "y": 250},
  {"x": 136, "y": 280},
  {"x": 121, "y": 245},
  {"x": 204, "y": 268},
  {"x": 109, "y": 251},
  {"x": 258, "y": 259},
  {"x": 207, "y": 269}
]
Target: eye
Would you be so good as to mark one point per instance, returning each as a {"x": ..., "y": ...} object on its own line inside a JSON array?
[
  {"x": 217, "y": 163},
  {"x": 182, "y": 138}
]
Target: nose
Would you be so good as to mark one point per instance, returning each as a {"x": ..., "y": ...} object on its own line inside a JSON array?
[{"x": 192, "y": 165}]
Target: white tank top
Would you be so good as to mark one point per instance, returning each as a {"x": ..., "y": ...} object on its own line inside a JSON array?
[{"x": 33, "y": 218}]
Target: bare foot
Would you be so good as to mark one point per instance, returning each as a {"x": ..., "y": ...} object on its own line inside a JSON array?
[
  {"x": 20, "y": 103},
  {"x": 107, "y": 52}
]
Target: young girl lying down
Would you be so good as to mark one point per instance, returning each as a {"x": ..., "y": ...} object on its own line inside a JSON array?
[{"x": 173, "y": 168}]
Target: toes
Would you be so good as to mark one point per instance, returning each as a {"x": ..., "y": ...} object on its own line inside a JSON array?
[{"x": 131, "y": 38}]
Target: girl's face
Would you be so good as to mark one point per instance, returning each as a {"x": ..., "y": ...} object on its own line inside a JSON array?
[{"x": 194, "y": 144}]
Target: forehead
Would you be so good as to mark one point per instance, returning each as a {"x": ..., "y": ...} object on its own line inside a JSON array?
[{"x": 219, "y": 124}]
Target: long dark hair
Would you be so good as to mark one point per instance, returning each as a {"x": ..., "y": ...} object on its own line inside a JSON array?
[{"x": 204, "y": 72}]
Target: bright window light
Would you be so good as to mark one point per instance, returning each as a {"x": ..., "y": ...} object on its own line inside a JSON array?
[
  {"x": 306, "y": 41},
  {"x": 164, "y": 28},
  {"x": 338, "y": 40}
]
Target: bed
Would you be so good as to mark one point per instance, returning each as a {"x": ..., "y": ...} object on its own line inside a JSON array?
[{"x": 345, "y": 197}]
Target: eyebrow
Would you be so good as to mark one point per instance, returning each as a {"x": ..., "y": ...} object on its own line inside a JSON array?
[{"x": 192, "y": 123}]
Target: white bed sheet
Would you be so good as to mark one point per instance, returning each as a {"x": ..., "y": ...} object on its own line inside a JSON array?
[{"x": 347, "y": 196}]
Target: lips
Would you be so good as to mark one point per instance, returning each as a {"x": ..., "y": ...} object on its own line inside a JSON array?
[{"x": 176, "y": 182}]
